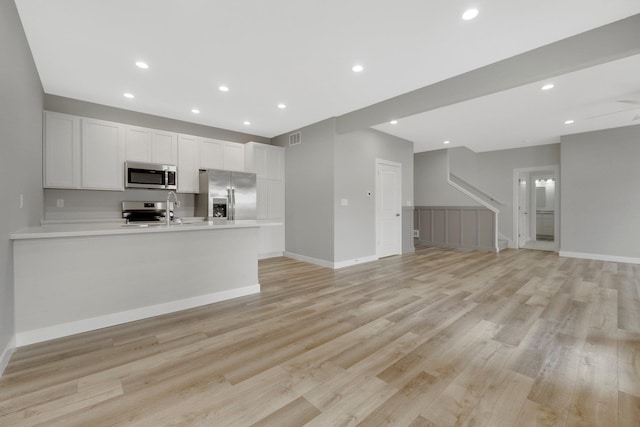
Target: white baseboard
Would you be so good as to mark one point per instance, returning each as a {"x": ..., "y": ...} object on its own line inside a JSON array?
[
  {"x": 6, "y": 354},
  {"x": 329, "y": 264},
  {"x": 310, "y": 260},
  {"x": 600, "y": 257},
  {"x": 71, "y": 328},
  {"x": 270, "y": 255},
  {"x": 355, "y": 261}
]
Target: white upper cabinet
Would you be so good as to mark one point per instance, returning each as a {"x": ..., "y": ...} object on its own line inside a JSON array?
[
  {"x": 61, "y": 159},
  {"x": 164, "y": 147},
  {"x": 103, "y": 152},
  {"x": 138, "y": 144},
  {"x": 217, "y": 154},
  {"x": 266, "y": 161},
  {"x": 188, "y": 164},
  {"x": 233, "y": 156},
  {"x": 150, "y": 145},
  {"x": 210, "y": 153}
]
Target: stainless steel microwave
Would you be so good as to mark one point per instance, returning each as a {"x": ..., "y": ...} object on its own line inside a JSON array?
[{"x": 150, "y": 175}]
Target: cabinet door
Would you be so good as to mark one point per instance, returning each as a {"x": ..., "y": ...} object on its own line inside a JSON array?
[
  {"x": 61, "y": 151},
  {"x": 102, "y": 155},
  {"x": 188, "y": 164},
  {"x": 210, "y": 154},
  {"x": 233, "y": 156},
  {"x": 164, "y": 147},
  {"x": 260, "y": 161},
  {"x": 138, "y": 144},
  {"x": 262, "y": 196},
  {"x": 271, "y": 241},
  {"x": 275, "y": 163},
  {"x": 275, "y": 199}
]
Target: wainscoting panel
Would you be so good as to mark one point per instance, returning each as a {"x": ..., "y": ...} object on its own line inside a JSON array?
[{"x": 470, "y": 227}]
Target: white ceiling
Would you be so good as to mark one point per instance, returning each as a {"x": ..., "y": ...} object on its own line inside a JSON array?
[
  {"x": 301, "y": 52},
  {"x": 527, "y": 115}
]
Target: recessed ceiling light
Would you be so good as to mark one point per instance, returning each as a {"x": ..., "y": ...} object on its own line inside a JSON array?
[
  {"x": 569, "y": 122},
  {"x": 447, "y": 142},
  {"x": 246, "y": 123},
  {"x": 357, "y": 68},
  {"x": 128, "y": 95},
  {"x": 143, "y": 65},
  {"x": 394, "y": 122},
  {"x": 282, "y": 106},
  {"x": 223, "y": 88},
  {"x": 195, "y": 111},
  {"x": 547, "y": 86},
  {"x": 470, "y": 14}
]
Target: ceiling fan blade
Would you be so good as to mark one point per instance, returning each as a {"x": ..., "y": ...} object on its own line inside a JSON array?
[{"x": 629, "y": 101}]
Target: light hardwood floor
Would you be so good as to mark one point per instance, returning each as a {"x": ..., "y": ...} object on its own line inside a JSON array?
[{"x": 436, "y": 338}]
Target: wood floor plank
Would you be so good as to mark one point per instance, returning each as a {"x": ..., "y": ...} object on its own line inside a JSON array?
[{"x": 437, "y": 337}]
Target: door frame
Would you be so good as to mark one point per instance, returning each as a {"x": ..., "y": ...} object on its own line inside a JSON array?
[
  {"x": 550, "y": 169},
  {"x": 378, "y": 214}
]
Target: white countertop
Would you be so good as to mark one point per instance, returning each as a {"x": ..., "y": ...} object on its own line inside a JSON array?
[{"x": 79, "y": 229}]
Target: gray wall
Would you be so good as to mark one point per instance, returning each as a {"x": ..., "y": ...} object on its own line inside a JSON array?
[
  {"x": 463, "y": 162},
  {"x": 600, "y": 192},
  {"x": 493, "y": 171},
  {"x": 103, "y": 112},
  {"x": 495, "y": 175},
  {"x": 309, "y": 222},
  {"x": 21, "y": 100},
  {"x": 355, "y": 166},
  {"x": 431, "y": 187}
]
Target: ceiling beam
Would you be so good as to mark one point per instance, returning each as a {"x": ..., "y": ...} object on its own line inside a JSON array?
[{"x": 604, "y": 44}]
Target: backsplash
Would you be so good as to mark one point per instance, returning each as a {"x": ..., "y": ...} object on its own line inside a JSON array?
[{"x": 86, "y": 205}]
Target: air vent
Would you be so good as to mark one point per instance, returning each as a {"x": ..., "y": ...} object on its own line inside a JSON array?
[{"x": 295, "y": 139}]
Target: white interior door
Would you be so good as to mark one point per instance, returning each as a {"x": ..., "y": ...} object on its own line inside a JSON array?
[
  {"x": 523, "y": 210},
  {"x": 388, "y": 208}
]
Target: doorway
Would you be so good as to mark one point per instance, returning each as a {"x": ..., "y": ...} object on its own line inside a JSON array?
[
  {"x": 537, "y": 208},
  {"x": 388, "y": 208}
]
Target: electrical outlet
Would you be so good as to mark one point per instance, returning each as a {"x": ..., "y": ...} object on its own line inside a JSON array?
[
  {"x": 60, "y": 203},
  {"x": 21, "y": 200}
]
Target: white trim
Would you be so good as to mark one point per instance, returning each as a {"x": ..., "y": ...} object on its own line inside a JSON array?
[
  {"x": 6, "y": 354},
  {"x": 270, "y": 255},
  {"x": 310, "y": 260},
  {"x": 71, "y": 328},
  {"x": 516, "y": 197},
  {"x": 329, "y": 264},
  {"x": 355, "y": 261},
  {"x": 600, "y": 257}
]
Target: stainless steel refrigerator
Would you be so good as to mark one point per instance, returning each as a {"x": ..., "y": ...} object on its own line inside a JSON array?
[{"x": 226, "y": 194}]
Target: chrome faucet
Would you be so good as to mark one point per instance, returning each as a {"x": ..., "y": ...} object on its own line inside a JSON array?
[{"x": 167, "y": 213}]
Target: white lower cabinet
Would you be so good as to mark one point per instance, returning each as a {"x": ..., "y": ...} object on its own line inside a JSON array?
[{"x": 271, "y": 241}]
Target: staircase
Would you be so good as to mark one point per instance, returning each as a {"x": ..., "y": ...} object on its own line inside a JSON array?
[{"x": 485, "y": 200}]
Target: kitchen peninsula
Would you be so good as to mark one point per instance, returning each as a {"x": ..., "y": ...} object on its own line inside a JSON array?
[{"x": 75, "y": 278}]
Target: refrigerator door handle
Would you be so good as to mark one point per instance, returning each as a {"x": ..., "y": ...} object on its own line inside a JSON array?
[{"x": 233, "y": 197}]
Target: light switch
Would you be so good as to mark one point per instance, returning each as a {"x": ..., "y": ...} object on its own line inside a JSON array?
[
  {"x": 60, "y": 203},
  {"x": 344, "y": 202}
]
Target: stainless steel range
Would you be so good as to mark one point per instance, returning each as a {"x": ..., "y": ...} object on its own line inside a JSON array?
[{"x": 146, "y": 212}]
